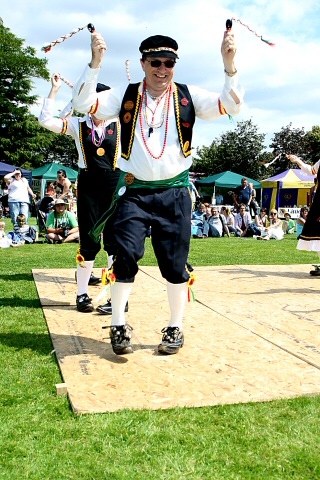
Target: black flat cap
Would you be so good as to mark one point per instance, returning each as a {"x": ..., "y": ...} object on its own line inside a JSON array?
[{"x": 159, "y": 46}]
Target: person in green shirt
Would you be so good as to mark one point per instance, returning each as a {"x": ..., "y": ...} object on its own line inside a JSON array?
[
  {"x": 288, "y": 225},
  {"x": 62, "y": 225}
]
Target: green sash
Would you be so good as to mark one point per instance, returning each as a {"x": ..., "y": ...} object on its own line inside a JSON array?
[{"x": 181, "y": 180}]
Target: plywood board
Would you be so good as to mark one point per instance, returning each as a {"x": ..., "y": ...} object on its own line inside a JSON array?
[{"x": 247, "y": 338}]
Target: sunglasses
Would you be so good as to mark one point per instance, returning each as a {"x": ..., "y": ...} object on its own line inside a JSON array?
[
  {"x": 158, "y": 63},
  {"x": 273, "y": 214}
]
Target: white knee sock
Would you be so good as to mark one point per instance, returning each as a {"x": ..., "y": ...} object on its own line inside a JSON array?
[
  {"x": 177, "y": 296},
  {"x": 119, "y": 296},
  {"x": 83, "y": 275}
]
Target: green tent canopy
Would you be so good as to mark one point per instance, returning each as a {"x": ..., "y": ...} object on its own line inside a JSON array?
[
  {"x": 226, "y": 180},
  {"x": 49, "y": 172}
]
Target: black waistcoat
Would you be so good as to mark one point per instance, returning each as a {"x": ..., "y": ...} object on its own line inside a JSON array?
[
  {"x": 92, "y": 160},
  {"x": 184, "y": 113}
]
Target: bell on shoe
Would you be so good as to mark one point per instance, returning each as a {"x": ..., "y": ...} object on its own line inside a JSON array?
[
  {"x": 172, "y": 341},
  {"x": 106, "y": 309},
  {"x": 120, "y": 336},
  {"x": 84, "y": 303}
]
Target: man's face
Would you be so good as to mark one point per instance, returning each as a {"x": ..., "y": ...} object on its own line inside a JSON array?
[
  {"x": 60, "y": 176},
  {"x": 242, "y": 211},
  {"x": 60, "y": 209},
  {"x": 244, "y": 183},
  {"x": 158, "y": 78},
  {"x": 215, "y": 212}
]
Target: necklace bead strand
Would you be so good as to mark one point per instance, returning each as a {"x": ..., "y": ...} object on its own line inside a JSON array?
[{"x": 165, "y": 114}]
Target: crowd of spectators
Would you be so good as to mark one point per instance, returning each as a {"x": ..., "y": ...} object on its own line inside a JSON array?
[{"x": 244, "y": 218}]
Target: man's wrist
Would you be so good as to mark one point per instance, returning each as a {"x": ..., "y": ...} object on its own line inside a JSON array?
[{"x": 94, "y": 64}]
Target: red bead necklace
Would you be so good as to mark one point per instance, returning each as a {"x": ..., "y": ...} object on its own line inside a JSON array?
[{"x": 151, "y": 125}]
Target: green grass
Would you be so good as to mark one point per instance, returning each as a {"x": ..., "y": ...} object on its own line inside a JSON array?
[{"x": 42, "y": 439}]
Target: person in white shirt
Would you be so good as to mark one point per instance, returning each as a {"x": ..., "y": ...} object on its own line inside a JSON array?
[
  {"x": 97, "y": 143},
  {"x": 157, "y": 117},
  {"x": 18, "y": 194}
]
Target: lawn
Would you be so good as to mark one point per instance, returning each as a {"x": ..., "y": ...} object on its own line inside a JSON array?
[{"x": 41, "y": 438}]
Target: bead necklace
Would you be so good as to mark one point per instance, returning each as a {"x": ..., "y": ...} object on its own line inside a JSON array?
[
  {"x": 146, "y": 107},
  {"x": 166, "y": 109},
  {"x": 101, "y": 137}
]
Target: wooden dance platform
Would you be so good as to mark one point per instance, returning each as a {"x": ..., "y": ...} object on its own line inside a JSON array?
[{"x": 252, "y": 335}]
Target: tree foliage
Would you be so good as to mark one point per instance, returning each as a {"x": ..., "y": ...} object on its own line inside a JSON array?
[
  {"x": 58, "y": 148},
  {"x": 19, "y": 132},
  {"x": 239, "y": 150},
  {"x": 289, "y": 140},
  {"x": 314, "y": 143}
]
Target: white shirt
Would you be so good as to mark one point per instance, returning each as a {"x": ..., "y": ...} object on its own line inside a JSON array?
[
  {"x": 310, "y": 169},
  {"x": 141, "y": 164},
  {"x": 55, "y": 124},
  {"x": 18, "y": 191}
]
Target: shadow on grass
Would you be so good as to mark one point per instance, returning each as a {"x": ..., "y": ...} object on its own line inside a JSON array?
[
  {"x": 68, "y": 346},
  {"x": 39, "y": 342},
  {"x": 15, "y": 277},
  {"x": 20, "y": 302}
]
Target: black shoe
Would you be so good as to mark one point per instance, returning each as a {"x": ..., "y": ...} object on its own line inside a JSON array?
[
  {"x": 48, "y": 240},
  {"x": 120, "y": 336},
  {"x": 172, "y": 341},
  {"x": 94, "y": 280},
  {"x": 84, "y": 303},
  {"x": 315, "y": 273},
  {"x": 106, "y": 309}
]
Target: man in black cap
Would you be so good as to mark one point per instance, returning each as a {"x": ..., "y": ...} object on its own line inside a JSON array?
[
  {"x": 97, "y": 143},
  {"x": 157, "y": 117}
]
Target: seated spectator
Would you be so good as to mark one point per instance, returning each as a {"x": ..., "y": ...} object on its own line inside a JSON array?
[
  {"x": 216, "y": 225},
  {"x": 301, "y": 220},
  {"x": 197, "y": 221},
  {"x": 288, "y": 225},
  {"x": 274, "y": 231},
  {"x": 5, "y": 242},
  {"x": 207, "y": 211},
  {"x": 47, "y": 201},
  {"x": 22, "y": 232},
  {"x": 243, "y": 223},
  {"x": 62, "y": 225},
  {"x": 226, "y": 211},
  {"x": 262, "y": 220}
]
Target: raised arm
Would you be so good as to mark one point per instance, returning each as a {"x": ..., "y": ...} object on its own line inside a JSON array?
[
  {"x": 228, "y": 51},
  {"x": 84, "y": 91},
  {"x": 305, "y": 167}
]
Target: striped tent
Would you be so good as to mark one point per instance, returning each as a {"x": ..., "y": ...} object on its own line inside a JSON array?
[{"x": 287, "y": 189}]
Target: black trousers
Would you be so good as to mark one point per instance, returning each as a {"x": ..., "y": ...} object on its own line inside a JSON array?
[
  {"x": 95, "y": 192},
  {"x": 168, "y": 213}
]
